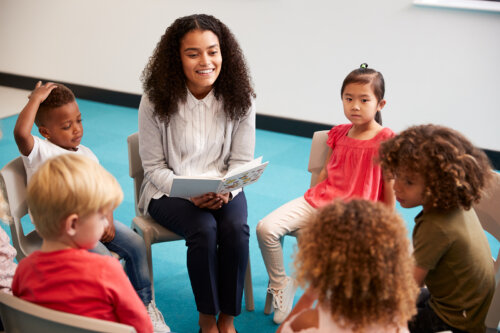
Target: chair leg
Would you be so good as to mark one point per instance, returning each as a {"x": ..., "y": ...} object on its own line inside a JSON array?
[
  {"x": 248, "y": 288},
  {"x": 268, "y": 307}
]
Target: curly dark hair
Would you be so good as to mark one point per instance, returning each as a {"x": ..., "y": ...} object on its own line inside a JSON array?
[
  {"x": 165, "y": 83},
  {"x": 455, "y": 172},
  {"x": 59, "y": 96},
  {"x": 356, "y": 257}
]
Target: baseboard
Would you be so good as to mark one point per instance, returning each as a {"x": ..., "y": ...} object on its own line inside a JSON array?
[{"x": 264, "y": 122}]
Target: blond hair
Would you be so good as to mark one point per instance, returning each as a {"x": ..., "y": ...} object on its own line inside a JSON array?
[
  {"x": 356, "y": 257},
  {"x": 69, "y": 184}
]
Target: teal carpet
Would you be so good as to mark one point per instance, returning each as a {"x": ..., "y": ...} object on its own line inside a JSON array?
[{"x": 106, "y": 128}]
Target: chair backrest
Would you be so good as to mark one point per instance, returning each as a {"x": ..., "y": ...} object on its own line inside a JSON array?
[
  {"x": 488, "y": 212},
  {"x": 13, "y": 184},
  {"x": 317, "y": 156},
  {"x": 135, "y": 167},
  {"x": 20, "y": 316}
]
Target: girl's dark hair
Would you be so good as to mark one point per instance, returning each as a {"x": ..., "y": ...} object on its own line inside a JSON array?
[
  {"x": 165, "y": 83},
  {"x": 365, "y": 75}
]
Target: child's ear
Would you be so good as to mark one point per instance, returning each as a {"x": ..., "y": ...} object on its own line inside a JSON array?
[
  {"x": 69, "y": 224},
  {"x": 381, "y": 105},
  {"x": 44, "y": 132}
]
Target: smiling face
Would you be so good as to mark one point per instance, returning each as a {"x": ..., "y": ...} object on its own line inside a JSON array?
[
  {"x": 201, "y": 61},
  {"x": 63, "y": 127},
  {"x": 409, "y": 189},
  {"x": 360, "y": 103}
]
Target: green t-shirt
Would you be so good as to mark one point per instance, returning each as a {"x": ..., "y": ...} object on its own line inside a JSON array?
[{"x": 453, "y": 247}]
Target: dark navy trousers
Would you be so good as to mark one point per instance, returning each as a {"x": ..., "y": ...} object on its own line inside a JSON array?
[{"x": 217, "y": 249}]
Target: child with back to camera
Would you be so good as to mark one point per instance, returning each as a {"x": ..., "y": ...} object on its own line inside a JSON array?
[
  {"x": 349, "y": 172},
  {"x": 439, "y": 169},
  {"x": 54, "y": 110},
  {"x": 70, "y": 197},
  {"x": 355, "y": 257}
]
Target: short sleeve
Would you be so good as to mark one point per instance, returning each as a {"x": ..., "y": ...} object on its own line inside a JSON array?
[
  {"x": 386, "y": 134},
  {"x": 336, "y": 133},
  {"x": 430, "y": 244}
]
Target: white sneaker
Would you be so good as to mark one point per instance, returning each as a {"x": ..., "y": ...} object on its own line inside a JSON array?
[
  {"x": 159, "y": 325},
  {"x": 283, "y": 300}
]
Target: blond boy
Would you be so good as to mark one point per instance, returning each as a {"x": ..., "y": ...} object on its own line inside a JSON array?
[{"x": 70, "y": 196}]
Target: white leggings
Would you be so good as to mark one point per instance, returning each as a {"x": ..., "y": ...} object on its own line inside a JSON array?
[{"x": 288, "y": 218}]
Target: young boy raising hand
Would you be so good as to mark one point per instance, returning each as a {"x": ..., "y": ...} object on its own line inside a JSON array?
[
  {"x": 53, "y": 108},
  {"x": 69, "y": 197}
]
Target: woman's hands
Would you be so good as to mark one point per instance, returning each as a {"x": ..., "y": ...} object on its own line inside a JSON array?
[{"x": 210, "y": 200}]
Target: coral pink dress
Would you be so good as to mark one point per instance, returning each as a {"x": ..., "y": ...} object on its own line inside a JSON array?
[{"x": 352, "y": 170}]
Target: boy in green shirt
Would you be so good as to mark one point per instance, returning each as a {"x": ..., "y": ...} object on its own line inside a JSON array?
[{"x": 439, "y": 169}]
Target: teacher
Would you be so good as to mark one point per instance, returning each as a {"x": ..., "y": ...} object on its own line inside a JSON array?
[{"x": 197, "y": 118}]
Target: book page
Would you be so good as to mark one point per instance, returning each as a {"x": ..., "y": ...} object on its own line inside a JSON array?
[
  {"x": 243, "y": 167},
  {"x": 242, "y": 179}
]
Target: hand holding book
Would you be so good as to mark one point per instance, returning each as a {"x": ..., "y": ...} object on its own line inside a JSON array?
[{"x": 246, "y": 174}]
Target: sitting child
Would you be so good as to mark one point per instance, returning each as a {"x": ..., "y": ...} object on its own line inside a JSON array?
[
  {"x": 7, "y": 254},
  {"x": 439, "y": 169},
  {"x": 70, "y": 197},
  {"x": 54, "y": 110},
  {"x": 355, "y": 259}
]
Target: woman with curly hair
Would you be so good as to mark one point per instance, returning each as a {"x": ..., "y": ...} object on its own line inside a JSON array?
[
  {"x": 355, "y": 258},
  {"x": 197, "y": 118},
  {"x": 439, "y": 169}
]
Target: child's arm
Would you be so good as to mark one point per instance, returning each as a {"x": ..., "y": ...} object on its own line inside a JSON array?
[
  {"x": 324, "y": 172},
  {"x": 109, "y": 232},
  {"x": 389, "y": 196},
  {"x": 26, "y": 119},
  {"x": 419, "y": 274},
  {"x": 306, "y": 301},
  {"x": 307, "y": 319}
]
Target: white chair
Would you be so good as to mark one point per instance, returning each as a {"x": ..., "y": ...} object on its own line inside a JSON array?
[
  {"x": 488, "y": 212},
  {"x": 13, "y": 184},
  {"x": 317, "y": 157},
  {"x": 153, "y": 232},
  {"x": 20, "y": 316}
]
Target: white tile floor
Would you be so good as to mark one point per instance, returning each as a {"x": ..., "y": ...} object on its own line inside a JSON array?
[{"x": 12, "y": 101}]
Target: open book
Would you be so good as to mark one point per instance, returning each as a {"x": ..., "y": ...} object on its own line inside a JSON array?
[{"x": 246, "y": 174}]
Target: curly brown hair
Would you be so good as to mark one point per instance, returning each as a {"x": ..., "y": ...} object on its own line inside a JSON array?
[
  {"x": 356, "y": 257},
  {"x": 455, "y": 172},
  {"x": 165, "y": 83},
  {"x": 60, "y": 96}
]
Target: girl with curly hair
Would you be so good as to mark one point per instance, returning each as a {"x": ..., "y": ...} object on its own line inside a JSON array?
[
  {"x": 349, "y": 172},
  {"x": 439, "y": 169},
  {"x": 197, "y": 118},
  {"x": 355, "y": 258}
]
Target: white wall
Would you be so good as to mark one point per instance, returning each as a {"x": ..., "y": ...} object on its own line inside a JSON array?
[{"x": 440, "y": 65}]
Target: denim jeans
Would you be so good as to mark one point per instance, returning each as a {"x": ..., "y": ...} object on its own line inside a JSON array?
[{"x": 130, "y": 247}]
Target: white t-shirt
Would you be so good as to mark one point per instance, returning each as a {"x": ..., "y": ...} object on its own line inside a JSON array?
[{"x": 44, "y": 149}]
